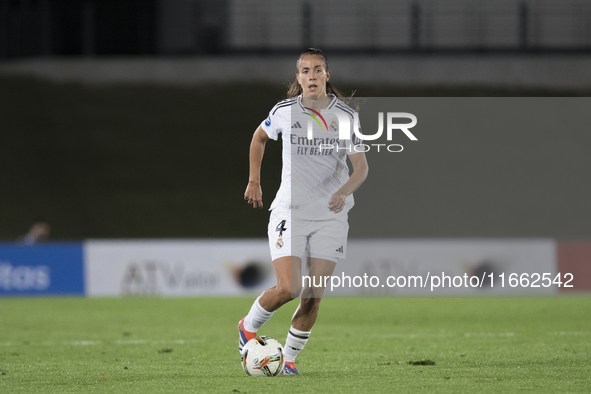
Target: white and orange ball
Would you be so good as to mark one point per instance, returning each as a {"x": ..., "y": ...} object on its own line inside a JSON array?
[{"x": 263, "y": 356}]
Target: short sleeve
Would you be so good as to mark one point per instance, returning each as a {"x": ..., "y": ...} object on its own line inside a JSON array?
[{"x": 271, "y": 126}]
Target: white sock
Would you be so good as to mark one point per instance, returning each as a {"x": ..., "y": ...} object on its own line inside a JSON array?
[
  {"x": 296, "y": 340},
  {"x": 256, "y": 317}
]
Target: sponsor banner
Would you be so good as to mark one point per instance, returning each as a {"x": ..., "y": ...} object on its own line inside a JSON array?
[
  {"x": 46, "y": 269},
  {"x": 575, "y": 257},
  {"x": 375, "y": 267},
  {"x": 236, "y": 267},
  {"x": 177, "y": 268},
  {"x": 446, "y": 267}
]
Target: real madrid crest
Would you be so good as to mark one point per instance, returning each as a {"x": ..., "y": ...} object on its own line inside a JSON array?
[
  {"x": 279, "y": 243},
  {"x": 333, "y": 126}
]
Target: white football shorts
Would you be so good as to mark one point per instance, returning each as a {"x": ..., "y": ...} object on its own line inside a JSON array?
[{"x": 323, "y": 239}]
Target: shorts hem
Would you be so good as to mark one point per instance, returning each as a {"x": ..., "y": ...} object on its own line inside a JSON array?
[
  {"x": 275, "y": 256},
  {"x": 326, "y": 257}
]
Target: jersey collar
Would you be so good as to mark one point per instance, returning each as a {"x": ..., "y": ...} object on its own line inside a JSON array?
[{"x": 329, "y": 106}]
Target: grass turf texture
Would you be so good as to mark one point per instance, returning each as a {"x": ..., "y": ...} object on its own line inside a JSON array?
[{"x": 154, "y": 345}]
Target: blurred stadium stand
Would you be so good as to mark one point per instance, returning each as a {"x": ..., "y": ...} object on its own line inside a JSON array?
[
  {"x": 505, "y": 43},
  {"x": 188, "y": 27}
]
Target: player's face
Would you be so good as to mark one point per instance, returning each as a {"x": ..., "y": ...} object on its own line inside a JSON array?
[{"x": 312, "y": 76}]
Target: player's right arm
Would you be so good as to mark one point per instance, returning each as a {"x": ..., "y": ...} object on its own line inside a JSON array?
[{"x": 254, "y": 193}]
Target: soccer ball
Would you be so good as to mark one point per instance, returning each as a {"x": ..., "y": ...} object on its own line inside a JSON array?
[{"x": 262, "y": 356}]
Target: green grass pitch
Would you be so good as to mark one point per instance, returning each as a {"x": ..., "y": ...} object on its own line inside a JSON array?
[{"x": 189, "y": 345}]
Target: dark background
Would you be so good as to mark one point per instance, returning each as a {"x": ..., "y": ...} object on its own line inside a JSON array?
[
  {"x": 488, "y": 166},
  {"x": 122, "y": 159}
]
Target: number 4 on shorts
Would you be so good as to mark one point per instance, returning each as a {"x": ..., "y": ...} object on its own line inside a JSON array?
[{"x": 281, "y": 228}]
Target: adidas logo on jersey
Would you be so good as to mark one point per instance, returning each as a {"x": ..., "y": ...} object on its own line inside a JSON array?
[
  {"x": 296, "y": 125},
  {"x": 340, "y": 250}
]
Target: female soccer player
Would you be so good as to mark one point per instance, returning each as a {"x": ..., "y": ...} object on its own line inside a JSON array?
[{"x": 308, "y": 220}]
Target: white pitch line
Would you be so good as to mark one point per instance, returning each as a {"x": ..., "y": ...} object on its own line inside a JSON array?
[
  {"x": 573, "y": 333},
  {"x": 96, "y": 343},
  {"x": 143, "y": 342},
  {"x": 82, "y": 343},
  {"x": 489, "y": 334},
  {"x": 450, "y": 335},
  {"x": 131, "y": 342}
]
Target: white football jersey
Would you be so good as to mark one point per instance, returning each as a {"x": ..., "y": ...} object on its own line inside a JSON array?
[{"x": 313, "y": 169}]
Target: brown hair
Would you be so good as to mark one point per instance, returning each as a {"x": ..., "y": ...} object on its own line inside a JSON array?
[{"x": 294, "y": 87}]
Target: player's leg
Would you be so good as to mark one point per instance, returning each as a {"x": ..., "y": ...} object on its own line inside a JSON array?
[
  {"x": 305, "y": 315},
  {"x": 307, "y": 312},
  {"x": 288, "y": 273},
  {"x": 327, "y": 243},
  {"x": 285, "y": 251}
]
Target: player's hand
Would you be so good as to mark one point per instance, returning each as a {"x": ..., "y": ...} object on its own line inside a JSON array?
[
  {"x": 254, "y": 195},
  {"x": 337, "y": 202}
]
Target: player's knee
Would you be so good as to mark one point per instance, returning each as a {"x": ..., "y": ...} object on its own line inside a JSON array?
[{"x": 287, "y": 293}]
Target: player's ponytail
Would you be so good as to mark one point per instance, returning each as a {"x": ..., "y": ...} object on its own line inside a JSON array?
[{"x": 294, "y": 87}]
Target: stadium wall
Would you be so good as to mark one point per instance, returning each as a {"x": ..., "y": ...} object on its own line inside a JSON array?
[
  {"x": 554, "y": 71},
  {"x": 99, "y": 268}
]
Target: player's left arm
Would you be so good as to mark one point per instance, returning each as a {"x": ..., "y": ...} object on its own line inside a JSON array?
[{"x": 360, "y": 171}]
